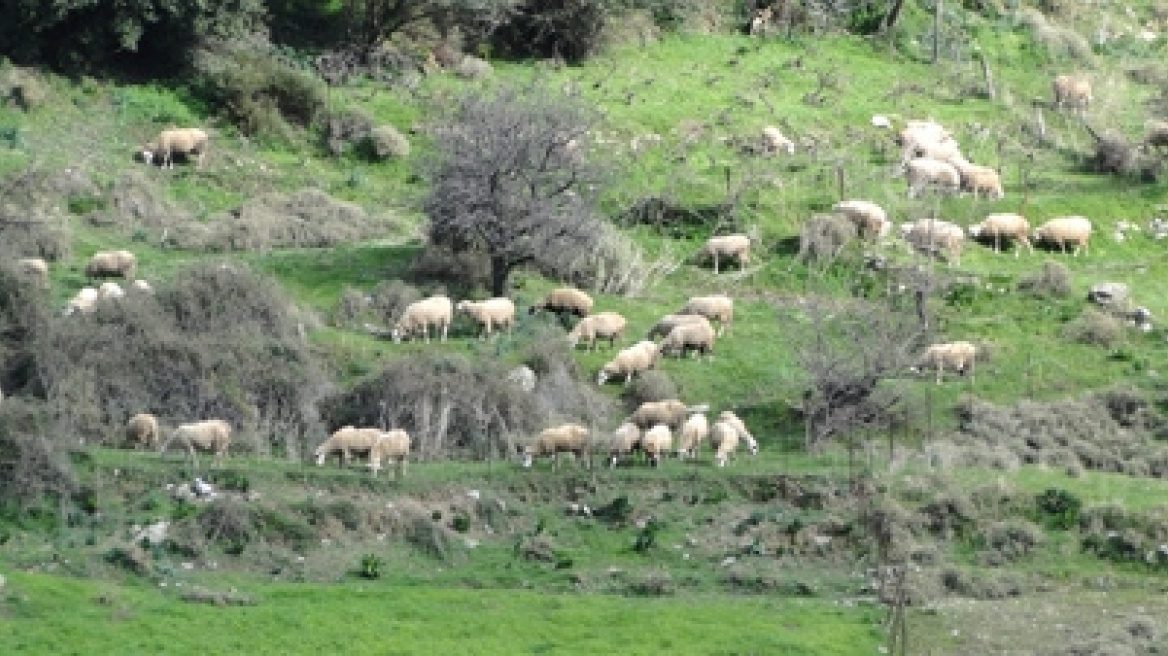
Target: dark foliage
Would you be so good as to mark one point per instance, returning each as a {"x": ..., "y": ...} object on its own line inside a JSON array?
[
  {"x": 34, "y": 471},
  {"x": 564, "y": 29}
]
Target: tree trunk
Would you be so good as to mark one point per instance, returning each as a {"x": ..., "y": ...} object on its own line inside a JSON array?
[
  {"x": 891, "y": 17},
  {"x": 500, "y": 271}
]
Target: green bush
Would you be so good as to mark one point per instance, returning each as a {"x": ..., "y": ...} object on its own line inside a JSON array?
[
  {"x": 1058, "y": 509},
  {"x": 371, "y": 566}
]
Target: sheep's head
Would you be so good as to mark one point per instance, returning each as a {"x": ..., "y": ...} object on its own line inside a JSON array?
[
  {"x": 975, "y": 230},
  {"x": 148, "y": 152},
  {"x": 602, "y": 376}
]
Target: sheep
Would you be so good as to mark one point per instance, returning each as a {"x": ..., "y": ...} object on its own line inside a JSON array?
[
  {"x": 84, "y": 301},
  {"x": 946, "y": 150},
  {"x": 690, "y": 337},
  {"x": 1071, "y": 91},
  {"x": 347, "y": 440},
  {"x": 656, "y": 443},
  {"x": 208, "y": 435},
  {"x": 670, "y": 412},
  {"x": 732, "y": 419},
  {"x": 435, "y": 311},
  {"x": 625, "y": 439},
  {"x": 35, "y": 269},
  {"x": 671, "y": 321},
  {"x": 604, "y": 325},
  {"x": 111, "y": 264},
  {"x": 735, "y": 247},
  {"x": 142, "y": 431},
  {"x": 393, "y": 445},
  {"x": 921, "y": 132},
  {"x": 922, "y": 173},
  {"x": 1157, "y": 135},
  {"x": 564, "y": 300},
  {"x": 979, "y": 179},
  {"x": 694, "y": 431},
  {"x": 869, "y": 218},
  {"x": 718, "y": 307},
  {"x": 572, "y": 438},
  {"x": 630, "y": 361},
  {"x": 773, "y": 141},
  {"x": 1063, "y": 230},
  {"x": 1004, "y": 226},
  {"x": 932, "y": 235},
  {"x": 724, "y": 441},
  {"x": 491, "y": 313},
  {"x": 187, "y": 141},
  {"x": 109, "y": 291},
  {"x": 959, "y": 356}
]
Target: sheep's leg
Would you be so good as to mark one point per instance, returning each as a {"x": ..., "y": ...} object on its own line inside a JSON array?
[
  {"x": 715, "y": 263},
  {"x": 445, "y": 328}
]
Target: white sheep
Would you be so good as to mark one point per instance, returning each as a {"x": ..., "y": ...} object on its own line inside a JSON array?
[
  {"x": 932, "y": 235},
  {"x": 347, "y": 441},
  {"x": 603, "y": 325},
  {"x": 1072, "y": 91},
  {"x": 84, "y": 301},
  {"x": 1065, "y": 230},
  {"x": 924, "y": 173},
  {"x": 565, "y": 300},
  {"x": 946, "y": 150},
  {"x": 717, "y": 307},
  {"x": 391, "y": 445},
  {"x": 490, "y": 314},
  {"x": 656, "y": 443},
  {"x": 35, "y": 269},
  {"x": 142, "y": 431},
  {"x": 110, "y": 290},
  {"x": 958, "y": 356},
  {"x": 186, "y": 141},
  {"x": 1003, "y": 226},
  {"x": 628, "y": 362},
  {"x": 670, "y": 412},
  {"x": 625, "y": 439},
  {"x": 724, "y": 441},
  {"x": 773, "y": 141},
  {"x": 670, "y": 321},
  {"x": 736, "y": 247},
  {"x": 693, "y": 432},
  {"x": 732, "y": 419},
  {"x": 916, "y": 133},
  {"x": 978, "y": 179},
  {"x": 696, "y": 337},
  {"x": 870, "y": 219},
  {"x": 208, "y": 435},
  {"x": 566, "y": 438},
  {"x": 437, "y": 311},
  {"x": 111, "y": 264}
]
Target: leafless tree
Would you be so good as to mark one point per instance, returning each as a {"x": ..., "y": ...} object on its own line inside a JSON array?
[{"x": 510, "y": 181}]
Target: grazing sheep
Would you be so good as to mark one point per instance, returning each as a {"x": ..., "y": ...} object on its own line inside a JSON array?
[
  {"x": 670, "y": 321},
  {"x": 1072, "y": 91},
  {"x": 656, "y": 443},
  {"x": 718, "y": 307},
  {"x": 111, "y": 264},
  {"x": 186, "y": 141},
  {"x": 564, "y": 300},
  {"x": 491, "y": 313},
  {"x": 84, "y": 301},
  {"x": 932, "y": 235},
  {"x": 916, "y": 133},
  {"x": 728, "y": 417},
  {"x": 1063, "y": 230},
  {"x": 869, "y": 218},
  {"x": 435, "y": 311},
  {"x": 945, "y": 150},
  {"x": 142, "y": 431},
  {"x": 109, "y": 291},
  {"x": 630, "y": 361},
  {"x": 924, "y": 173},
  {"x": 670, "y": 412},
  {"x": 347, "y": 441},
  {"x": 724, "y": 441},
  {"x": 35, "y": 269},
  {"x": 736, "y": 247},
  {"x": 209, "y": 435},
  {"x": 690, "y": 337},
  {"x": 605, "y": 325},
  {"x": 625, "y": 440},
  {"x": 959, "y": 356},
  {"x": 694, "y": 431},
  {"x": 552, "y": 442},
  {"x": 773, "y": 142},
  {"x": 392, "y": 445},
  {"x": 981, "y": 180},
  {"x": 1005, "y": 226},
  {"x": 1157, "y": 135}
]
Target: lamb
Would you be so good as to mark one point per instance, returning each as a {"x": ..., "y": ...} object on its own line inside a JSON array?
[
  {"x": 348, "y": 440},
  {"x": 870, "y": 219},
  {"x": 186, "y": 141},
  {"x": 656, "y": 442},
  {"x": 1071, "y": 91},
  {"x": 694, "y": 431},
  {"x": 435, "y": 311},
  {"x": 670, "y": 412},
  {"x": 1063, "y": 230},
  {"x": 209, "y": 435},
  {"x": 572, "y": 438},
  {"x": 35, "y": 269},
  {"x": 923, "y": 173},
  {"x": 670, "y": 321},
  {"x": 735, "y": 247},
  {"x": 142, "y": 431},
  {"x": 111, "y": 264},
  {"x": 84, "y": 301},
  {"x": 718, "y": 307},
  {"x": 724, "y": 440},
  {"x": 393, "y": 445},
  {"x": 979, "y": 179},
  {"x": 773, "y": 141},
  {"x": 932, "y": 235},
  {"x": 998, "y": 227},
  {"x": 491, "y": 313},
  {"x": 630, "y": 361},
  {"x": 730, "y": 418},
  {"x": 109, "y": 291},
  {"x": 959, "y": 356},
  {"x": 690, "y": 337},
  {"x": 605, "y": 325},
  {"x": 625, "y": 439},
  {"x": 565, "y": 300}
]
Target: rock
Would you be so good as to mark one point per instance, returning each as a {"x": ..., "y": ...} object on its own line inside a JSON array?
[{"x": 1108, "y": 293}]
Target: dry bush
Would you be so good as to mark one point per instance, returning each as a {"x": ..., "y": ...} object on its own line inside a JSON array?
[
  {"x": 1113, "y": 154},
  {"x": 616, "y": 266},
  {"x": 24, "y": 87},
  {"x": 390, "y": 297},
  {"x": 34, "y": 469},
  {"x": 823, "y": 239},
  {"x": 1010, "y": 540},
  {"x": 1059, "y": 41},
  {"x": 981, "y": 585},
  {"x": 1094, "y": 328},
  {"x": 652, "y": 385},
  {"x": 461, "y": 274},
  {"x": 34, "y": 204},
  {"x": 137, "y": 202},
  {"x": 24, "y": 314},
  {"x": 1053, "y": 280},
  {"x": 345, "y": 129},
  {"x": 388, "y": 143}
]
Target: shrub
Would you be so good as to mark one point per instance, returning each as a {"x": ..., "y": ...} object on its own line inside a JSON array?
[
  {"x": 34, "y": 220},
  {"x": 35, "y": 473},
  {"x": 461, "y": 273},
  {"x": 570, "y": 29},
  {"x": 1053, "y": 280},
  {"x": 1094, "y": 328},
  {"x": 24, "y": 87},
  {"x": 388, "y": 143},
  {"x": 652, "y": 385},
  {"x": 824, "y": 238},
  {"x": 371, "y": 566},
  {"x": 1058, "y": 509}
]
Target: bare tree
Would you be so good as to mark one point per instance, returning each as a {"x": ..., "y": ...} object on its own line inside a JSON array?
[{"x": 510, "y": 181}]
